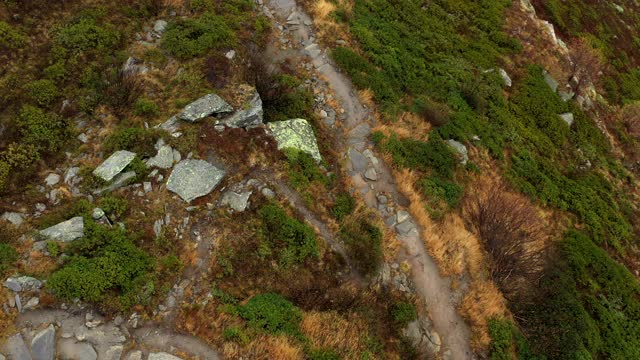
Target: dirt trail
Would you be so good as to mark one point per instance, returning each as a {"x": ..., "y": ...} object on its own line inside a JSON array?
[{"x": 355, "y": 130}]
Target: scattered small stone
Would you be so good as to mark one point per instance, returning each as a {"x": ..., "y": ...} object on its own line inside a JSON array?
[
  {"x": 13, "y": 217},
  {"x": 160, "y": 26},
  {"x": 402, "y": 216},
  {"x": 41, "y": 207},
  {"x": 163, "y": 356},
  {"x": 147, "y": 187},
  {"x": 70, "y": 176},
  {"x": 371, "y": 174},
  {"x": 32, "y": 303},
  {"x": 567, "y": 118},
  {"x": 52, "y": 179},
  {"x": 230, "y": 54},
  {"x": 97, "y": 214},
  {"x": 505, "y": 77},
  {"x": 83, "y": 138},
  {"x": 382, "y": 199},
  {"x": 268, "y": 193}
]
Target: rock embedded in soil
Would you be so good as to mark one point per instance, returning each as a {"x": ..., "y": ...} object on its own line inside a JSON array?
[
  {"x": 66, "y": 231},
  {"x": 297, "y": 134},
  {"x": 238, "y": 201},
  {"x": 207, "y": 105},
  {"x": 461, "y": 149},
  {"x": 114, "y": 165},
  {"x": 16, "y": 349},
  {"x": 250, "y": 115},
  {"x": 13, "y": 217},
  {"x": 164, "y": 157},
  {"x": 23, "y": 283},
  {"x": 52, "y": 179},
  {"x": 567, "y": 118},
  {"x": 43, "y": 346},
  {"x": 192, "y": 179}
]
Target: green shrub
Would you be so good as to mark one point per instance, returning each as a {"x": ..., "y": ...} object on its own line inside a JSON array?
[
  {"x": 501, "y": 339},
  {"x": 364, "y": 243},
  {"x": 235, "y": 334},
  {"x": 53, "y": 248},
  {"x": 5, "y": 168},
  {"x": 343, "y": 207},
  {"x": 433, "y": 155},
  {"x": 8, "y": 256},
  {"x": 56, "y": 72},
  {"x": 403, "y": 313},
  {"x": 272, "y": 314},
  {"x": 45, "y": 131},
  {"x": 145, "y": 107},
  {"x": 323, "y": 354},
  {"x": 303, "y": 169},
  {"x": 188, "y": 38},
  {"x": 10, "y": 38},
  {"x": 103, "y": 261},
  {"x": 440, "y": 195},
  {"x": 138, "y": 140},
  {"x": 42, "y": 92},
  {"x": 293, "y": 240},
  {"x": 84, "y": 34},
  {"x": 20, "y": 156},
  {"x": 114, "y": 205},
  {"x": 139, "y": 167}
]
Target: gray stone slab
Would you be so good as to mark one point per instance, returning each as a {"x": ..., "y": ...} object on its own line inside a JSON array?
[
  {"x": 207, "y": 105},
  {"x": 114, "y": 165},
  {"x": 66, "y": 231},
  {"x": 297, "y": 134},
  {"x": 191, "y": 179}
]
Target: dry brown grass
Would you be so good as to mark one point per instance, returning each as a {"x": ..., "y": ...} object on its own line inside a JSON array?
[
  {"x": 6, "y": 319},
  {"x": 482, "y": 302},
  {"x": 454, "y": 248},
  {"x": 331, "y": 330},
  {"x": 275, "y": 347},
  {"x": 408, "y": 125},
  {"x": 328, "y": 29}
]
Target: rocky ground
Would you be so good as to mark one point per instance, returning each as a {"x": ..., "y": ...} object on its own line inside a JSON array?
[{"x": 77, "y": 331}]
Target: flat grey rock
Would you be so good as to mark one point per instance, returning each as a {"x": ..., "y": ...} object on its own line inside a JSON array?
[
  {"x": 13, "y": 217},
  {"x": 119, "y": 181},
  {"x": 191, "y": 179},
  {"x": 43, "y": 345},
  {"x": 114, "y": 352},
  {"x": 70, "y": 349},
  {"x": 371, "y": 174},
  {"x": 97, "y": 213},
  {"x": 163, "y": 159},
  {"x": 69, "y": 230},
  {"x": 405, "y": 228},
  {"x": 553, "y": 84},
  {"x": 114, "y": 165},
  {"x": 52, "y": 179},
  {"x": 250, "y": 115},
  {"x": 16, "y": 349},
  {"x": 297, "y": 134},
  {"x": 23, "y": 283},
  {"x": 358, "y": 161},
  {"x": 163, "y": 356},
  {"x": 461, "y": 149},
  {"x": 207, "y": 105},
  {"x": 567, "y": 118}
]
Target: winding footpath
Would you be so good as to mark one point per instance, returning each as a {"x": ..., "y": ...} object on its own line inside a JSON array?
[{"x": 354, "y": 132}]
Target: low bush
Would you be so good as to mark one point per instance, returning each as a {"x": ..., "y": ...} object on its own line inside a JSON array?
[
  {"x": 432, "y": 155},
  {"x": 272, "y": 314},
  {"x": 5, "y": 168},
  {"x": 103, "y": 261},
  {"x": 20, "y": 156},
  {"x": 303, "y": 169},
  {"x": 45, "y": 131},
  {"x": 10, "y": 38},
  {"x": 188, "y": 38},
  {"x": 323, "y": 354},
  {"x": 364, "y": 243},
  {"x": 440, "y": 195},
  {"x": 42, "y": 92},
  {"x": 113, "y": 205},
  {"x": 8, "y": 256},
  {"x": 343, "y": 207},
  {"x": 234, "y": 333},
  {"x": 293, "y": 241},
  {"x": 85, "y": 34},
  {"x": 56, "y": 72},
  {"x": 138, "y": 140},
  {"x": 145, "y": 107},
  {"x": 53, "y": 248},
  {"x": 403, "y": 313}
]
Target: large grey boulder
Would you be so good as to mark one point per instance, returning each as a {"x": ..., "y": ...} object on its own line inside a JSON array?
[
  {"x": 69, "y": 230},
  {"x": 297, "y": 134},
  {"x": 205, "y": 106},
  {"x": 69, "y": 349},
  {"x": 163, "y": 356},
  {"x": 250, "y": 115},
  {"x": 13, "y": 217},
  {"x": 114, "y": 165},
  {"x": 23, "y": 283},
  {"x": 43, "y": 345},
  {"x": 191, "y": 179},
  {"x": 461, "y": 149},
  {"x": 16, "y": 349}
]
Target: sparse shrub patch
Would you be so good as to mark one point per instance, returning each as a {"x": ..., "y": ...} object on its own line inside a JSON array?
[
  {"x": 188, "y": 38},
  {"x": 273, "y": 314}
]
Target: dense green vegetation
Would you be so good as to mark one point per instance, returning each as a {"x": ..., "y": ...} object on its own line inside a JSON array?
[
  {"x": 273, "y": 314},
  {"x": 404, "y": 313},
  {"x": 430, "y": 59},
  {"x": 8, "y": 256},
  {"x": 193, "y": 37},
  {"x": 612, "y": 32},
  {"x": 291, "y": 241}
]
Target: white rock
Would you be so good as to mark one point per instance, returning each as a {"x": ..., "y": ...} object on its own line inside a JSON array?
[
  {"x": 52, "y": 179},
  {"x": 13, "y": 217}
]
